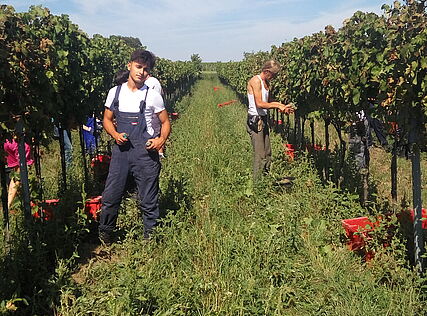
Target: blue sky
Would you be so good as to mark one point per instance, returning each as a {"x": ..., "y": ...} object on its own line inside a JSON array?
[{"x": 219, "y": 30}]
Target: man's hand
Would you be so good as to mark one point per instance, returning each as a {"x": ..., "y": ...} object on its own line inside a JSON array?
[
  {"x": 156, "y": 143},
  {"x": 121, "y": 138},
  {"x": 288, "y": 109}
]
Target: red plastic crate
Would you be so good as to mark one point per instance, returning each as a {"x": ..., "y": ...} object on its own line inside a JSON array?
[
  {"x": 101, "y": 165},
  {"x": 316, "y": 147},
  {"x": 100, "y": 160},
  {"x": 92, "y": 206},
  {"x": 357, "y": 230},
  {"x": 290, "y": 151},
  {"x": 409, "y": 216},
  {"x": 423, "y": 217},
  {"x": 46, "y": 207}
]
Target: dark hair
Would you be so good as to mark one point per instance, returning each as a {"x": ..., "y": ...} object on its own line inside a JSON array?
[
  {"x": 144, "y": 57},
  {"x": 121, "y": 77}
]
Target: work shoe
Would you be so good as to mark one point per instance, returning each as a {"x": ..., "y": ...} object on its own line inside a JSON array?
[
  {"x": 364, "y": 171},
  {"x": 286, "y": 181},
  {"x": 105, "y": 238}
]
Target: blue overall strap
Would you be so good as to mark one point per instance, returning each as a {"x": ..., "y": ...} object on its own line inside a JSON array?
[
  {"x": 115, "y": 104},
  {"x": 142, "y": 105},
  {"x": 143, "y": 102}
]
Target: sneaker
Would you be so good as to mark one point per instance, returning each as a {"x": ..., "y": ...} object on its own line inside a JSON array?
[{"x": 105, "y": 238}]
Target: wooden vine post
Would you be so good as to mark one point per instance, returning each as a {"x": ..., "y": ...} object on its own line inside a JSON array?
[
  {"x": 23, "y": 170},
  {"x": 4, "y": 199},
  {"x": 416, "y": 194},
  {"x": 63, "y": 186},
  {"x": 83, "y": 151},
  {"x": 393, "y": 167}
]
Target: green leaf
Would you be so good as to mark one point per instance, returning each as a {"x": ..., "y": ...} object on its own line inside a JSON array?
[{"x": 356, "y": 96}]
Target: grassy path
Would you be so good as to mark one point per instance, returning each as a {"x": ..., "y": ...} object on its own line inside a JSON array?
[{"x": 228, "y": 247}]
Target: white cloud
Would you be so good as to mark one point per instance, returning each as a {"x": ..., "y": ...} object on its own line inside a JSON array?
[
  {"x": 215, "y": 29},
  {"x": 90, "y": 7},
  {"x": 23, "y": 5},
  {"x": 230, "y": 40},
  {"x": 176, "y": 12}
]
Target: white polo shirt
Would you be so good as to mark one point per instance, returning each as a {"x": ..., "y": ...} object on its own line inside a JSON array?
[{"x": 129, "y": 102}]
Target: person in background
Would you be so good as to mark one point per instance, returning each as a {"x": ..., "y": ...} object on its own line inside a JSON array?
[
  {"x": 68, "y": 146},
  {"x": 257, "y": 126},
  {"x": 377, "y": 126},
  {"x": 133, "y": 105},
  {"x": 153, "y": 83},
  {"x": 91, "y": 134},
  {"x": 12, "y": 159},
  {"x": 121, "y": 77},
  {"x": 359, "y": 137}
]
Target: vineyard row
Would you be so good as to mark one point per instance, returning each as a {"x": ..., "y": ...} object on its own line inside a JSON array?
[{"x": 53, "y": 72}]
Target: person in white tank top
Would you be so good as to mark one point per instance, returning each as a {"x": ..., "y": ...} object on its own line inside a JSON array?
[{"x": 257, "y": 125}]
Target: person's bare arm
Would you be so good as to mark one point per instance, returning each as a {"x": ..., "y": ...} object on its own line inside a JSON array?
[
  {"x": 111, "y": 129},
  {"x": 255, "y": 88},
  {"x": 158, "y": 142}
]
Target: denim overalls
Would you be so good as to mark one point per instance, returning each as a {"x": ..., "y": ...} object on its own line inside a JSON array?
[{"x": 131, "y": 157}]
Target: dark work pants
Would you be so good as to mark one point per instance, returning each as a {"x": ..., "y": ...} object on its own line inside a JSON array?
[
  {"x": 145, "y": 168},
  {"x": 358, "y": 144},
  {"x": 378, "y": 128},
  {"x": 261, "y": 149}
]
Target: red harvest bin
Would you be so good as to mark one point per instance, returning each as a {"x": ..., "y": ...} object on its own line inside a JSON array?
[
  {"x": 92, "y": 206},
  {"x": 411, "y": 216},
  {"x": 357, "y": 230},
  {"x": 101, "y": 164},
  {"x": 316, "y": 147},
  {"x": 290, "y": 151},
  {"x": 47, "y": 209},
  {"x": 100, "y": 160}
]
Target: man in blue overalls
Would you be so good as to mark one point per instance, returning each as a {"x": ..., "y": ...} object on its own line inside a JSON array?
[{"x": 138, "y": 112}]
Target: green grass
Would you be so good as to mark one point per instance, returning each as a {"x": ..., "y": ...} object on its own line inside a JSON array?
[
  {"x": 36, "y": 262},
  {"x": 229, "y": 247},
  {"x": 380, "y": 164}
]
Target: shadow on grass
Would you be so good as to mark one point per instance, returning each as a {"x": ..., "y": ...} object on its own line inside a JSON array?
[
  {"x": 331, "y": 165},
  {"x": 30, "y": 275},
  {"x": 175, "y": 197}
]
